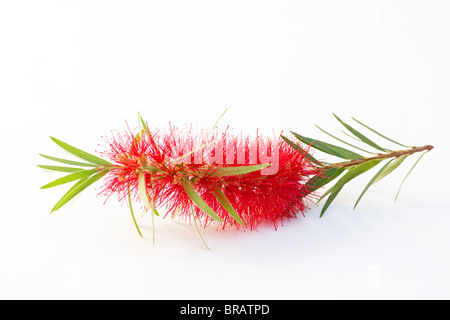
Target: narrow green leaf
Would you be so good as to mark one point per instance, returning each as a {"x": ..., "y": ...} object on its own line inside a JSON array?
[
  {"x": 227, "y": 205},
  {"x": 145, "y": 197},
  {"x": 343, "y": 141},
  {"x": 144, "y": 125},
  {"x": 69, "y": 178},
  {"x": 147, "y": 131},
  {"x": 154, "y": 210},
  {"x": 195, "y": 197},
  {"x": 60, "y": 169},
  {"x": 409, "y": 173},
  {"x": 317, "y": 182},
  {"x": 76, "y": 189},
  {"x": 351, "y": 174},
  {"x": 61, "y": 202},
  {"x": 215, "y": 124},
  {"x": 360, "y": 135},
  {"x": 131, "y": 210},
  {"x": 330, "y": 199},
  {"x": 351, "y": 136},
  {"x": 391, "y": 167},
  {"x": 329, "y": 148},
  {"x": 234, "y": 171},
  {"x": 372, "y": 181},
  {"x": 137, "y": 138},
  {"x": 297, "y": 147},
  {"x": 75, "y": 163},
  {"x": 383, "y": 172},
  {"x": 79, "y": 153},
  {"x": 198, "y": 229},
  {"x": 376, "y": 132},
  {"x": 143, "y": 191},
  {"x": 147, "y": 201}
]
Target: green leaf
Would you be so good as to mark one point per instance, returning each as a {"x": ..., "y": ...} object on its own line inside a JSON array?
[
  {"x": 408, "y": 174},
  {"x": 71, "y": 177},
  {"x": 137, "y": 138},
  {"x": 234, "y": 171},
  {"x": 75, "y": 163},
  {"x": 328, "y": 148},
  {"x": 143, "y": 191},
  {"x": 391, "y": 167},
  {"x": 144, "y": 125},
  {"x": 360, "y": 135},
  {"x": 76, "y": 189},
  {"x": 330, "y": 199},
  {"x": 215, "y": 124},
  {"x": 195, "y": 197},
  {"x": 371, "y": 182},
  {"x": 383, "y": 172},
  {"x": 60, "y": 169},
  {"x": 198, "y": 229},
  {"x": 148, "y": 202},
  {"x": 351, "y": 174},
  {"x": 79, "y": 153},
  {"x": 351, "y": 136},
  {"x": 227, "y": 205},
  {"x": 145, "y": 197},
  {"x": 132, "y": 213},
  {"x": 343, "y": 141},
  {"x": 297, "y": 147},
  {"x": 329, "y": 175},
  {"x": 376, "y": 132}
]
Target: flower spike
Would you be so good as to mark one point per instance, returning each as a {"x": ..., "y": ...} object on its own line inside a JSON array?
[{"x": 220, "y": 178}]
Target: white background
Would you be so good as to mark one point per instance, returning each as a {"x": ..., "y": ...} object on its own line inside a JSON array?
[{"x": 78, "y": 69}]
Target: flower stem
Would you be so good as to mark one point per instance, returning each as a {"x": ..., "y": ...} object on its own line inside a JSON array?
[{"x": 393, "y": 154}]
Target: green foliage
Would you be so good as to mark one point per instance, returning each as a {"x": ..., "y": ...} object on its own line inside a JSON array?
[
  {"x": 381, "y": 135},
  {"x": 60, "y": 168},
  {"x": 350, "y": 175},
  {"x": 356, "y": 163},
  {"x": 77, "y": 188},
  {"x": 69, "y": 178},
  {"x": 74, "y": 163},
  {"x": 412, "y": 168},
  {"x": 220, "y": 196},
  {"x": 80, "y": 154},
  {"x": 360, "y": 136},
  {"x": 319, "y": 181},
  {"x": 234, "y": 171},
  {"x": 197, "y": 199},
  {"x": 84, "y": 177},
  {"x": 298, "y": 147},
  {"x": 329, "y": 148},
  {"x": 132, "y": 212},
  {"x": 390, "y": 166}
]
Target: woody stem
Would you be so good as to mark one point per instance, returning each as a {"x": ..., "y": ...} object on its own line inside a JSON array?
[{"x": 393, "y": 154}]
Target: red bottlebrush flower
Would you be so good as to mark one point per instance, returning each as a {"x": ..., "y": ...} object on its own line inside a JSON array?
[
  {"x": 176, "y": 161},
  {"x": 218, "y": 176}
]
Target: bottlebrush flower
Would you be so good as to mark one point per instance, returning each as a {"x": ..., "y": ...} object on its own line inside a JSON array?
[
  {"x": 208, "y": 164},
  {"x": 220, "y": 177}
]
